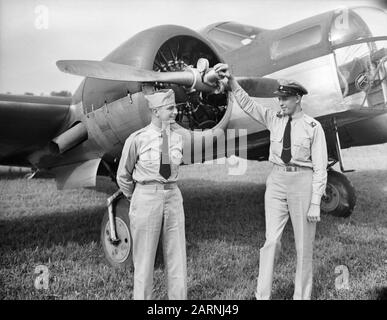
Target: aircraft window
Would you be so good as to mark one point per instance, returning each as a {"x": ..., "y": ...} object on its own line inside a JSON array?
[
  {"x": 239, "y": 29},
  {"x": 348, "y": 26},
  {"x": 226, "y": 40},
  {"x": 296, "y": 42},
  {"x": 358, "y": 23},
  {"x": 352, "y": 62},
  {"x": 357, "y": 63},
  {"x": 233, "y": 35},
  {"x": 376, "y": 20}
]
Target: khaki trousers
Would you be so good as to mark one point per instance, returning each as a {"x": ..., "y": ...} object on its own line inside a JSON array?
[
  {"x": 154, "y": 209},
  {"x": 287, "y": 193}
]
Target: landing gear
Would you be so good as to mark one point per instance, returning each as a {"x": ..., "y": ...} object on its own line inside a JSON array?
[
  {"x": 340, "y": 197},
  {"x": 115, "y": 235}
]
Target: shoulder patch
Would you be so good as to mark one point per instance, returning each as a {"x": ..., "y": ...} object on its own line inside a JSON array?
[
  {"x": 312, "y": 122},
  {"x": 279, "y": 114}
]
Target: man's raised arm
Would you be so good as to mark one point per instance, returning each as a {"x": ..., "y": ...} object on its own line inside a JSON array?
[{"x": 253, "y": 109}]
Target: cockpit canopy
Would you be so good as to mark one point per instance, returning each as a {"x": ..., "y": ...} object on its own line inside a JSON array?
[{"x": 357, "y": 23}]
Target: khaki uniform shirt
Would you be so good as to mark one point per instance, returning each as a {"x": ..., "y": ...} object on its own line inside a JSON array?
[
  {"x": 140, "y": 158},
  {"x": 308, "y": 145}
]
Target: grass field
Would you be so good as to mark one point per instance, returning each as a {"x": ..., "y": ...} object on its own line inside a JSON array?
[{"x": 224, "y": 228}]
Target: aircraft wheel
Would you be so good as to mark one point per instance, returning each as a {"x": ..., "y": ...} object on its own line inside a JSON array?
[
  {"x": 118, "y": 255},
  {"x": 340, "y": 198}
]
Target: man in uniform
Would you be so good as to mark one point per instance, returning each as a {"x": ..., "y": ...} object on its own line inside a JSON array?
[
  {"x": 147, "y": 173},
  {"x": 296, "y": 183}
]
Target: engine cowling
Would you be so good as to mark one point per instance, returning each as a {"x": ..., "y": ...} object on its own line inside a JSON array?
[{"x": 115, "y": 109}]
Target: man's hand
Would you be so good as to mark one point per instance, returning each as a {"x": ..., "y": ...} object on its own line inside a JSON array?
[
  {"x": 313, "y": 214},
  {"x": 222, "y": 71}
]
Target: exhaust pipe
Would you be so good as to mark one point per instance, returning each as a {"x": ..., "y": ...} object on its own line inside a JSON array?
[{"x": 68, "y": 139}]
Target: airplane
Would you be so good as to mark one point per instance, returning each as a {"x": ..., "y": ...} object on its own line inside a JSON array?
[{"x": 339, "y": 55}]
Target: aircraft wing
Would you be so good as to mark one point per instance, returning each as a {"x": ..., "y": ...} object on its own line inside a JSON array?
[{"x": 27, "y": 123}]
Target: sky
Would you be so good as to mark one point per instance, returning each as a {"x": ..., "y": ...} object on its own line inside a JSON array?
[{"x": 34, "y": 34}]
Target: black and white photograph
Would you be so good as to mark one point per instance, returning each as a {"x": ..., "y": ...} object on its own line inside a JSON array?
[{"x": 211, "y": 150}]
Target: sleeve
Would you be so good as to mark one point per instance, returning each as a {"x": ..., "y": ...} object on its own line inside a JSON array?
[
  {"x": 126, "y": 166},
  {"x": 319, "y": 162},
  {"x": 255, "y": 110}
]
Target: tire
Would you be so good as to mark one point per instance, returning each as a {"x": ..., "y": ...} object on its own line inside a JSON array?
[
  {"x": 118, "y": 256},
  {"x": 340, "y": 198}
]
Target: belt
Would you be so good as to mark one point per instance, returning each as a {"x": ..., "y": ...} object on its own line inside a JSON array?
[
  {"x": 157, "y": 185},
  {"x": 290, "y": 168}
]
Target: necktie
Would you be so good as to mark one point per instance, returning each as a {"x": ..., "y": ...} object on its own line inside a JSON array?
[
  {"x": 165, "y": 166},
  {"x": 286, "y": 154}
]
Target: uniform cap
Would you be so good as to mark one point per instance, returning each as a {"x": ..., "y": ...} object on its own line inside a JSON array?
[
  {"x": 290, "y": 88},
  {"x": 161, "y": 98}
]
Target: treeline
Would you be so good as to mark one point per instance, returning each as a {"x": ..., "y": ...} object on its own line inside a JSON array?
[{"x": 63, "y": 93}]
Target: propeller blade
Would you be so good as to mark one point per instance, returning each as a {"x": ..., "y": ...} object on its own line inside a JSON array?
[
  {"x": 121, "y": 72},
  {"x": 254, "y": 86},
  {"x": 258, "y": 87}
]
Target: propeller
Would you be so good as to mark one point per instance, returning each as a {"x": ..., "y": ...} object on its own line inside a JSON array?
[
  {"x": 121, "y": 72},
  {"x": 254, "y": 86}
]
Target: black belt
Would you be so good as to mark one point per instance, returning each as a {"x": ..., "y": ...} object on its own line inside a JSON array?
[
  {"x": 158, "y": 185},
  {"x": 290, "y": 168}
]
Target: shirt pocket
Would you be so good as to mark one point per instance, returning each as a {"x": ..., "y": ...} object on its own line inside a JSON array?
[
  {"x": 150, "y": 155},
  {"x": 276, "y": 145},
  {"x": 301, "y": 149}
]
